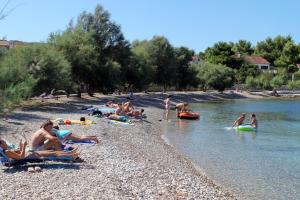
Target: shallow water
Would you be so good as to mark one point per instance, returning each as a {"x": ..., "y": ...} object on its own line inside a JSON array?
[{"x": 254, "y": 165}]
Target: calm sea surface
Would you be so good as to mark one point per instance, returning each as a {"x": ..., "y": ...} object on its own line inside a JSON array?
[{"x": 254, "y": 165}]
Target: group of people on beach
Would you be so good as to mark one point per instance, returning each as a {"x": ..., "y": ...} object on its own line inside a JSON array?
[
  {"x": 180, "y": 107},
  {"x": 48, "y": 141},
  {"x": 183, "y": 107},
  {"x": 123, "y": 110}
]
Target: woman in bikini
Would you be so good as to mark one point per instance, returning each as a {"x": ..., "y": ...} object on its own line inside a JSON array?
[{"x": 167, "y": 102}]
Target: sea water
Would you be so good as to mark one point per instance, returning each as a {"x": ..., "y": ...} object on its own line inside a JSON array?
[{"x": 253, "y": 165}]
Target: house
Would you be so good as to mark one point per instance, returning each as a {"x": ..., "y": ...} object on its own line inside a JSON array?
[
  {"x": 298, "y": 66},
  {"x": 261, "y": 63},
  {"x": 258, "y": 61},
  {"x": 11, "y": 44},
  {"x": 4, "y": 43}
]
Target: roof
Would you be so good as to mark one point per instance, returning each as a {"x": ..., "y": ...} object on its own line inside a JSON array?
[
  {"x": 4, "y": 43},
  {"x": 255, "y": 60}
]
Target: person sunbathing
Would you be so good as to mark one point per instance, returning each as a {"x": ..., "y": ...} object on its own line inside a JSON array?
[
  {"x": 19, "y": 154},
  {"x": 128, "y": 107},
  {"x": 68, "y": 135},
  {"x": 111, "y": 104},
  {"x": 116, "y": 117},
  {"x": 120, "y": 110},
  {"x": 44, "y": 140},
  {"x": 13, "y": 153},
  {"x": 136, "y": 113}
]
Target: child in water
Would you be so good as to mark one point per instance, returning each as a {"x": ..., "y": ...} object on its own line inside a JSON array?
[{"x": 253, "y": 121}]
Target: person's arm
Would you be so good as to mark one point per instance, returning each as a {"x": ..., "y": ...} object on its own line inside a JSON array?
[
  {"x": 17, "y": 155},
  {"x": 234, "y": 123},
  {"x": 49, "y": 136}
]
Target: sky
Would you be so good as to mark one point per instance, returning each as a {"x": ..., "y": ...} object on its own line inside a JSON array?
[{"x": 196, "y": 24}]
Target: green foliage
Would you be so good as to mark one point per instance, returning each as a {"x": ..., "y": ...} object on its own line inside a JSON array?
[
  {"x": 222, "y": 53},
  {"x": 53, "y": 70},
  {"x": 96, "y": 49},
  {"x": 243, "y": 47},
  {"x": 31, "y": 70},
  {"x": 277, "y": 81},
  {"x": 262, "y": 81},
  {"x": 294, "y": 84},
  {"x": 140, "y": 73},
  {"x": 161, "y": 58},
  {"x": 280, "y": 51},
  {"x": 16, "y": 93},
  {"x": 214, "y": 76},
  {"x": 244, "y": 71},
  {"x": 185, "y": 75}
]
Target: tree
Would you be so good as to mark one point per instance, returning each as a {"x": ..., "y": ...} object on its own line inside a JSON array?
[
  {"x": 97, "y": 50},
  {"x": 280, "y": 51},
  {"x": 45, "y": 65},
  {"x": 215, "y": 76},
  {"x": 161, "y": 57},
  {"x": 140, "y": 73},
  {"x": 243, "y": 47},
  {"x": 222, "y": 53},
  {"x": 184, "y": 73},
  {"x": 3, "y": 12},
  {"x": 288, "y": 57},
  {"x": 110, "y": 47},
  {"x": 244, "y": 71}
]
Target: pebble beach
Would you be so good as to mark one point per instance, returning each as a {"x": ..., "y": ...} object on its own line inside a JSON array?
[{"x": 130, "y": 162}]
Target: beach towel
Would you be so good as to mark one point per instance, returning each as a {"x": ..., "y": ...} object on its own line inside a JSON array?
[
  {"x": 86, "y": 122},
  {"x": 79, "y": 142},
  {"x": 3, "y": 157},
  {"x": 119, "y": 122}
]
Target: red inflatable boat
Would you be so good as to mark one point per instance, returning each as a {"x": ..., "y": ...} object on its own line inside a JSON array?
[{"x": 188, "y": 115}]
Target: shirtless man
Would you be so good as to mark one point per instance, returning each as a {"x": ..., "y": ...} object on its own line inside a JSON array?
[
  {"x": 43, "y": 139},
  {"x": 240, "y": 120},
  {"x": 181, "y": 107}
]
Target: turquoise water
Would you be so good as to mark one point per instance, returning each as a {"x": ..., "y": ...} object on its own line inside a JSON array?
[{"x": 253, "y": 165}]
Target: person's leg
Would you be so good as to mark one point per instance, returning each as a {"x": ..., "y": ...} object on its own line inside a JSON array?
[
  {"x": 81, "y": 138},
  {"x": 53, "y": 146},
  {"x": 40, "y": 154},
  {"x": 167, "y": 114}
]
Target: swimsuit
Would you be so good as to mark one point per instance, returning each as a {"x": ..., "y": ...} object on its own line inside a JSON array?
[{"x": 61, "y": 134}]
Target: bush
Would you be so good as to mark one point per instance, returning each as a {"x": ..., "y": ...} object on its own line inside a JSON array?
[
  {"x": 214, "y": 76},
  {"x": 31, "y": 69},
  {"x": 294, "y": 84},
  {"x": 277, "y": 82}
]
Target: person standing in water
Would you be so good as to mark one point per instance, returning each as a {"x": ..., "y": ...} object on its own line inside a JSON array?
[
  {"x": 240, "y": 120},
  {"x": 167, "y": 102},
  {"x": 253, "y": 121}
]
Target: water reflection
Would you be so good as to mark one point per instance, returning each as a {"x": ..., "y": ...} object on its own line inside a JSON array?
[
  {"x": 183, "y": 126},
  {"x": 244, "y": 135}
]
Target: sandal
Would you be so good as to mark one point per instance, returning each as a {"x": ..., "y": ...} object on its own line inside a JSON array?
[
  {"x": 78, "y": 160},
  {"x": 37, "y": 169},
  {"x": 31, "y": 169}
]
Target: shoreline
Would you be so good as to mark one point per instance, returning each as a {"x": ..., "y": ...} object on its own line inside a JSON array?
[{"x": 130, "y": 162}]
